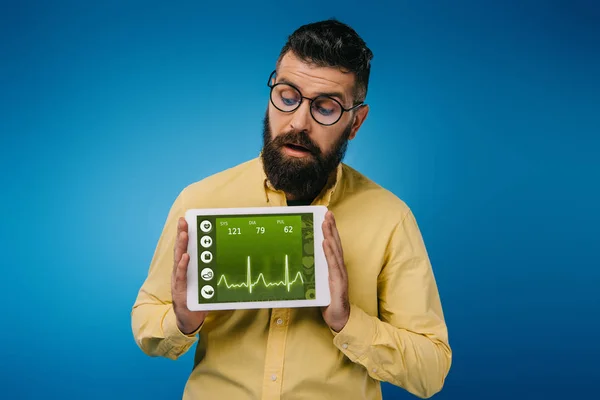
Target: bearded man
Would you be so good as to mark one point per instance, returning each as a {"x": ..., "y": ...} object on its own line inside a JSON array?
[{"x": 385, "y": 320}]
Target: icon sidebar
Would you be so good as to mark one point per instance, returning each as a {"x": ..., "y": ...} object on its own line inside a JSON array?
[{"x": 206, "y": 253}]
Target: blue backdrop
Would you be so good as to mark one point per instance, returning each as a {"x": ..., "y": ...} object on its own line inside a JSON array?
[{"x": 484, "y": 119}]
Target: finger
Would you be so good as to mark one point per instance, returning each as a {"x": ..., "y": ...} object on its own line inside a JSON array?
[
  {"x": 331, "y": 234},
  {"x": 180, "y": 246},
  {"x": 335, "y": 244},
  {"x": 176, "y": 254},
  {"x": 181, "y": 240},
  {"x": 180, "y": 285},
  {"x": 336, "y": 235},
  {"x": 332, "y": 261},
  {"x": 329, "y": 238},
  {"x": 181, "y": 225},
  {"x": 326, "y": 230}
]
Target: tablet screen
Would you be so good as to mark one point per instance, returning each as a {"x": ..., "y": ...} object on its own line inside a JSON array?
[{"x": 245, "y": 258}]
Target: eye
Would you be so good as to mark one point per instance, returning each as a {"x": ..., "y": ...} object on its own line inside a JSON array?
[
  {"x": 288, "y": 96},
  {"x": 288, "y": 101},
  {"x": 326, "y": 107},
  {"x": 324, "y": 111}
]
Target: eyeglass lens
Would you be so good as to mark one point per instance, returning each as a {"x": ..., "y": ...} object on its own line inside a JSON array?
[{"x": 323, "y": 109}]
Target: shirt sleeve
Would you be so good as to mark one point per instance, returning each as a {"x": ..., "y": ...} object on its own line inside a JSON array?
[
  {"x": 153, "y": 320},
  {"x": 407, "y": 344}
]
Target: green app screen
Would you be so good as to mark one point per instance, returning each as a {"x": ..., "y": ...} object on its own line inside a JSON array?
[{"x": 255, "y": 258}]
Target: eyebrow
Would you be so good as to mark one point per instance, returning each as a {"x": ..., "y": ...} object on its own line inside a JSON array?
[{"x": 339, "y": 95}]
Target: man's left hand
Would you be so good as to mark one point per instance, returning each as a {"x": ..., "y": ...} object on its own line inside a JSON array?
[{"x": 336, "y": 314}]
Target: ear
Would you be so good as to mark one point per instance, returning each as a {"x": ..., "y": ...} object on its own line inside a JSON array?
[{"x": 359, "y": 118}]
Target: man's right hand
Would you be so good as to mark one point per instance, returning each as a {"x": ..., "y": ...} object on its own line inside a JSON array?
[{"x": 187, "y": 321}]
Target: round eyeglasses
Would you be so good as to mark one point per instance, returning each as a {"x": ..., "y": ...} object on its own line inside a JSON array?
[{"x": 324, "y": 109}]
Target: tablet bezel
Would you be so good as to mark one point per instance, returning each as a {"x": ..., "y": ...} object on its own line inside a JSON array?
[{"x": 322, "y": 294}]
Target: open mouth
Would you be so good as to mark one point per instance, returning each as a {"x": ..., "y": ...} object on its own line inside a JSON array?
[{"x": 297, "y": 147}]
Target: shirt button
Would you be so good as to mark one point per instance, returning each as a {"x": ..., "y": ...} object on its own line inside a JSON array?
[
  {"x": 345, "y": 345},
  {"x": 374, "y": 370},
  {"x": 279, "y": 321},
  {"x": 273, "y": 378}
]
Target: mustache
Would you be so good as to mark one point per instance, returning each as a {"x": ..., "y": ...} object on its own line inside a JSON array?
[{"x": 299, "y": 139}]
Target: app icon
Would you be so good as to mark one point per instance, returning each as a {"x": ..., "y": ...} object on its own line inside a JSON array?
[
  {"x": 206, "y": 241},
  {"x": 205, "y": 226},
  {"x": 206, "y": 257},
  {"x": 207, "y": 274},
  {"x": 207, "y": 291}
]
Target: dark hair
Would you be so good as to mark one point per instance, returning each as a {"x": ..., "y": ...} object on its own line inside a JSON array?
[{"x": 331, "y": 43}]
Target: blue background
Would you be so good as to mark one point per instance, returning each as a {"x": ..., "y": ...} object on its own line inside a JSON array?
[{"x": 484, "y": 119}]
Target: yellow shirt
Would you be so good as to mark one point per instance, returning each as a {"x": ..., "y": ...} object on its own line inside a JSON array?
[{"x": 396, "y": 330}]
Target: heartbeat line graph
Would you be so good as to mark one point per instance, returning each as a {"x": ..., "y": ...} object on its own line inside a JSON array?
[{"x": 250, "y": 285}]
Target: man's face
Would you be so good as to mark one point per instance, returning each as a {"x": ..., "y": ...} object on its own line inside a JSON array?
[{"x": 300, "y": 154}]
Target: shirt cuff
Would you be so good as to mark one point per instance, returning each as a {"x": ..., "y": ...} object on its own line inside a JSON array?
[
  {"x": 355, "y": 339},
  {"x": 174, "y": 336}
]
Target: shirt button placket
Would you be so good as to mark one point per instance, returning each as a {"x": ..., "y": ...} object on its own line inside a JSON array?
[{"x": 272, "y": 381}]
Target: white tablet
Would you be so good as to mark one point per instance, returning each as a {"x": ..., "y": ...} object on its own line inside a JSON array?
[{"x": 262, "y": 257}]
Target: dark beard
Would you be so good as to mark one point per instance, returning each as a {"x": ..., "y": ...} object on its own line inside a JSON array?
[{"x": 301, "y": 178}]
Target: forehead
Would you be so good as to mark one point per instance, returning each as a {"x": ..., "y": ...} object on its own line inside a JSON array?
[{"x": 313, "y": 80}]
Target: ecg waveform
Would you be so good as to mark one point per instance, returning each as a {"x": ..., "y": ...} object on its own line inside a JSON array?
[{"x": 249, "y": 284}]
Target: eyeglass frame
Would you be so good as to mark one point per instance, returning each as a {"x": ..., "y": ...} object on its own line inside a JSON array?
[{"x": 362, "y": 103}]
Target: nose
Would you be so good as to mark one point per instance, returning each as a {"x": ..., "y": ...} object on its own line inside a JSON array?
[{"x": 301, "y": 117}]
